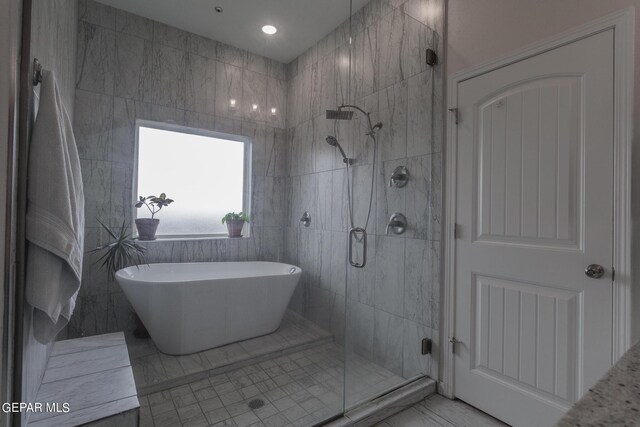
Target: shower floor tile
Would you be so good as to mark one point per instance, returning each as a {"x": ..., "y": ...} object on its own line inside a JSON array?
[
  {"x": 299, "y": 389},
  {"x": 155, "y": 371}
]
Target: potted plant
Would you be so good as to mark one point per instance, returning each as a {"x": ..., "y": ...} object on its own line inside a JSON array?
[
  {"x": 147, "y": 226},
  {"x": 119, "y": 253},
  {"x": 235, "y": 222}
]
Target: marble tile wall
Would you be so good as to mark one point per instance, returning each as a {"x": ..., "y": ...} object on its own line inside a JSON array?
[
  {"x": 392, "y": 303},
  {"x": 129, "y": 67},
  {"x": 53, "y": 41}
]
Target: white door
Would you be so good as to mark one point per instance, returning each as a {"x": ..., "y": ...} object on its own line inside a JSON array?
[{"x": 534, "y": 209}]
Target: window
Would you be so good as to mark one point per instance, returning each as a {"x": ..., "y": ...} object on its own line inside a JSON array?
[{"x": 205, "y": 173}]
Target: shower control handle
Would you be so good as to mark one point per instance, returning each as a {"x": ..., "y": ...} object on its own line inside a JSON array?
[
  {"x": 397, "y": 224},
  {"x": 306, "y": 219},
  {"x": 354, "y": 233},
  {"x": 399, "y": 177}
]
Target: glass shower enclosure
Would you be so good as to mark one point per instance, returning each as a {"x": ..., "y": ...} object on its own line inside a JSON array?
[{"x": 340, "y": 113}]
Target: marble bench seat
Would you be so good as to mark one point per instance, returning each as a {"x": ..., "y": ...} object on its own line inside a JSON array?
[{"x": 94, "y": 376}]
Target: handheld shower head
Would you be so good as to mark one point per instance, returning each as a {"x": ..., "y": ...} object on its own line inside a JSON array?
[{"x": 333, "y": 141}]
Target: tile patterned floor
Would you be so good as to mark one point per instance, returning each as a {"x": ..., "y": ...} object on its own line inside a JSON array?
[
  {"x": 438, "y": 411},
  {"x": 299, "y": 389},
  {"x": 157, "y": 371}
]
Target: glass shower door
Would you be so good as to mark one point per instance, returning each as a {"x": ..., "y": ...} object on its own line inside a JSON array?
[{"x": 391, "y": 301}]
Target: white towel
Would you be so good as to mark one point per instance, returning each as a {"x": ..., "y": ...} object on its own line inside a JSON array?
[{"x": 55, "y": 216}]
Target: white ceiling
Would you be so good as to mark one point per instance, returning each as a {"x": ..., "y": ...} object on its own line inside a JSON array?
[{"x": 300, "y": 23}]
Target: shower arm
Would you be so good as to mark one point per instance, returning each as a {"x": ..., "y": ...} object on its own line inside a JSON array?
[{"x": 355, "y": 107}]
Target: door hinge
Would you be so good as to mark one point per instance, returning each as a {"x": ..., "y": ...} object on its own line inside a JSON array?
[
  {"x": 427, "y": 346},
  {"x": 613, "y": 274},
  {"x": 453, "y": 342},
  {"x": 456, "y": 115},
  {"x": 431, "y": 57},
  {"x": 456, "y": 231}
]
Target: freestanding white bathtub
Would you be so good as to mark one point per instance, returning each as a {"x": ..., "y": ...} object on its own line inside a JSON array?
[{"x": 192, "y": 307}]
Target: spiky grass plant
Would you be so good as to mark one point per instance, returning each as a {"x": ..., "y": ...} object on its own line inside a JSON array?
[{"x": 121, "y": 252}]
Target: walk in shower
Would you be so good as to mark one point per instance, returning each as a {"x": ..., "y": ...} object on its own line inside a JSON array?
[{"x": 327, "y": 118}]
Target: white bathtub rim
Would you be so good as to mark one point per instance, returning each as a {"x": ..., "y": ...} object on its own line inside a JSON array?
[{"x": 128, "y": 273}]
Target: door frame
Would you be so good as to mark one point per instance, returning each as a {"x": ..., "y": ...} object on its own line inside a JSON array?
[{"x": 623, "y": 23}]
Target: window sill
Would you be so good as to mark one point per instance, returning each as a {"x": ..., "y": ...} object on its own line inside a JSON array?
[{"x": 190, "y": 238}]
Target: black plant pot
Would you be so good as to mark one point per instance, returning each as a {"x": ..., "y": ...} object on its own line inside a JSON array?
[{"x": 147, "y": 228}]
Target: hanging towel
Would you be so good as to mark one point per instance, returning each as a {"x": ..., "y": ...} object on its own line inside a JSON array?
[{"x": 55, "y": 216}]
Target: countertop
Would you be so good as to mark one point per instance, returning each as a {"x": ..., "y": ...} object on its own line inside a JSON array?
[{"x": 614, "y": 400}]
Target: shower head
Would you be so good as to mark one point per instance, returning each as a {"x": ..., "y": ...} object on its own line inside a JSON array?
[
  {"x": 333, "y": 141},
  {"x": 339, "y": 114}
]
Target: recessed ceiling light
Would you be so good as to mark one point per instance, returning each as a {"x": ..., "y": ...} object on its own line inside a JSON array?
[{"x": 269, "y": 29}]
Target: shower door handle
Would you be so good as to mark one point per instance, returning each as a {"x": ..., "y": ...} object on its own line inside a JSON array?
[{"x": 353, "y": 233}]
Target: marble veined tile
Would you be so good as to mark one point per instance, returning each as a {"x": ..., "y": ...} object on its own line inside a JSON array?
[
  {"x": 421, "y": 293},
  {"x": 170, "y": 36},
  {"x": 428, "y": 12},
  {"x": 92, "y": 125},
  {"x": 390, "y": 273},
  {"x": 135, "y": 25},
  {"x": 95, "y": 65},
  {"x": 256, "y": 63},
  {"x": 200, "y": 85},
  {"x": 121, "y": 193},
  {"x": 97, "y": 13},
  {"x": 169, "y": 76},
  {"x": 96, "y": 178},
  {"x": 231, "y": 55},
  {"x": 387, "y": 342},
  {"x": 254, "y": 94},
  {"x": 277, "y": 70},
  {"x": 420, "y": 114},
  {"x": 360, "y": 326},
  {"x": 414, "y": 362},
  {"x": 400, "y": 40},
  {"x": 365, "y": 63},
  {"x": 228, "y": 90},
  {"x": 125, "y": 114},
  {"x": 133, "y": 67},
  {"x": 393, "y": 114},
  {"x": 202, "y": 46},
  {"x": 276, "y": 98},
  {"x": 418, "y": 191},
  {"x": 148, "y": 370}
]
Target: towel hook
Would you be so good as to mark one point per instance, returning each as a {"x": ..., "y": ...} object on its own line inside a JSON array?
[{"x": 37, "y": 72}]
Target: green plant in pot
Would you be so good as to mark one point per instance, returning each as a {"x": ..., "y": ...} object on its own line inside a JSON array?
[
  {"x": 147, "y": 227},
  {"x": 123, "y": 250},
  {"x": 235, "y": 222}
]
